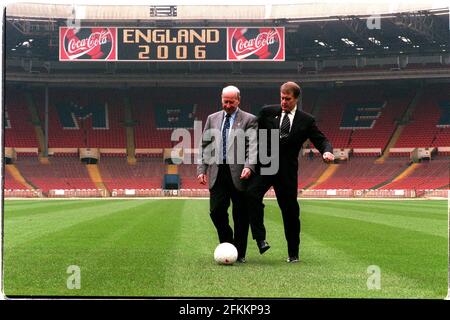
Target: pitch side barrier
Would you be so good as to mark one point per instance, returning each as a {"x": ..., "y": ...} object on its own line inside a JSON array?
[
  {"x": 202, "y": 193},
  {"x": 56, "y": 193},
  {"x": 340, "y": 193},
  {"x": 22, "y": 193}
]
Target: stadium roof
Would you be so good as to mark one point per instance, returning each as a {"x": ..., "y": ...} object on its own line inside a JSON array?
[
  {"x": 410, "y": 32},
  {"x": 233, "y": 9}
]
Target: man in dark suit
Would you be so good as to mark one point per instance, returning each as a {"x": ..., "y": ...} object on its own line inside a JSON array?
[
  {"x": 295, "y": 127},
  {"x": 227, "y": 159}
]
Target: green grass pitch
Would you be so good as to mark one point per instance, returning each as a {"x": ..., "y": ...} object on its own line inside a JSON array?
[{"x": 164, "y": 248}]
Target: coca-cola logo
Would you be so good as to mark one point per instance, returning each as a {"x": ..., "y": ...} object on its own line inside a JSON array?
[
  {"x": 255, "y": 43},
  {"x": 244, "y": 47},
  {"x": 77, "y": 47},
  {"x": 88, "y": 43}
]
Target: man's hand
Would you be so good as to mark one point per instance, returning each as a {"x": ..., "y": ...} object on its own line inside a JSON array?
[
  {"x": 201, "y": 178},
  {"x": 328, "y": 157},
  {"x": 246, "y": 173}
]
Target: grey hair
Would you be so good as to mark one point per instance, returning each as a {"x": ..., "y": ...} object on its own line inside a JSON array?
[{"x": 232, "y": 89}]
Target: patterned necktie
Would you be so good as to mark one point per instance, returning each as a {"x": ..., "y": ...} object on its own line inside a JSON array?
[
  {"x": 226, "y": 127},
  {"x": 285, "y": 126}
]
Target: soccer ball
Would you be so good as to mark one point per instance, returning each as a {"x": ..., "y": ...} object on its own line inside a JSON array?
[{"x": 225, "y": 253}]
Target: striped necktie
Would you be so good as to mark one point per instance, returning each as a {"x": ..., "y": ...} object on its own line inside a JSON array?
[
  {"x": 226, "y": 127},
  {"x": 285, "y": 126}
]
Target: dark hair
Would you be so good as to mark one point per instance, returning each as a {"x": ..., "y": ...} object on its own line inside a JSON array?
[{"x": 291, "y": 87}]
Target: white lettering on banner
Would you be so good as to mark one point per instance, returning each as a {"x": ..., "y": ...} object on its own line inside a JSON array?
[
  {"x": 79, "y": 47},
  {"x": 245, "y": 48}
]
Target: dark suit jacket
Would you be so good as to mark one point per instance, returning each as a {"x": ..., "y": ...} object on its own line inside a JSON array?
[{"x": 303, "y": 127}]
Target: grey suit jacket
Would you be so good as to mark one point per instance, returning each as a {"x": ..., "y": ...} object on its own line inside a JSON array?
[{"x": 241, "y": 147}]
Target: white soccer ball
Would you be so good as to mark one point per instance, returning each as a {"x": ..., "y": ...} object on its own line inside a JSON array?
[{"x": 225, "y": 253}]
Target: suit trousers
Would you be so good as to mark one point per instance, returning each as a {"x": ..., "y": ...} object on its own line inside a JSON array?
[
  {"x": 285, "y": 186},
  {"x": 220, "y": 195}
]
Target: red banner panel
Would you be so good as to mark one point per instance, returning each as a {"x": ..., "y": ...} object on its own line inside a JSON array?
[
  {"x": 256, "y": 44},
  {"x": 171, "y": 44},
  {"x": 87, "y": 44}
]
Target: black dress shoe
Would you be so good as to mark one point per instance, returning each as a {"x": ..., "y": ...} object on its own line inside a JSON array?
[
  {"x": 293, "y": 259},
  {"x": 263, "y": 246},
  {"x": 241, "y": 260}
]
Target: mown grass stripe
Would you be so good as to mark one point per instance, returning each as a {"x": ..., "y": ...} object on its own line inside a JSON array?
[
  {"x": 49, "y": 207},
  {"x": 120, "y": 254},
  {"x": 36, "y": 202},
  {"x": 345, "y": 275},
  {"x": 409, "y": 253},
  {"x": 22, "y": 229},
  {"x": 437, "y": 212},
  {"x": 165, "y": 248},
  {"x": 425, "y": 225}
]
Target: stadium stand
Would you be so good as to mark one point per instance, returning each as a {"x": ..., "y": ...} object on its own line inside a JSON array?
[
  {"x": 429, "y": 124},
  {"x": 332, "y": 110},
  {"x": 352, "y": 117},
  {"x": 309, "y": 171},
  {"x": 10, "y": 183},
  {"x": 19, "y": 130},
  {"x": 363, "y": 173},
  {"x": 145, "y": 174},
  {"x": 366, "y": 116},
  {"x": 188, "y": 174},
  {"x": 83, "y": 118},
  {"x": 61, "y": 173},
  {"x": 432, "y": 174}
]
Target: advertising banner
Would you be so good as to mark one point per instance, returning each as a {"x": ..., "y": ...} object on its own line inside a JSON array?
[{"x": 171, "y": 44}]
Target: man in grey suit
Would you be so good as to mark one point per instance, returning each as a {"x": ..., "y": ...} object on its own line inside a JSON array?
[{"x": 226, "y": 161}]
